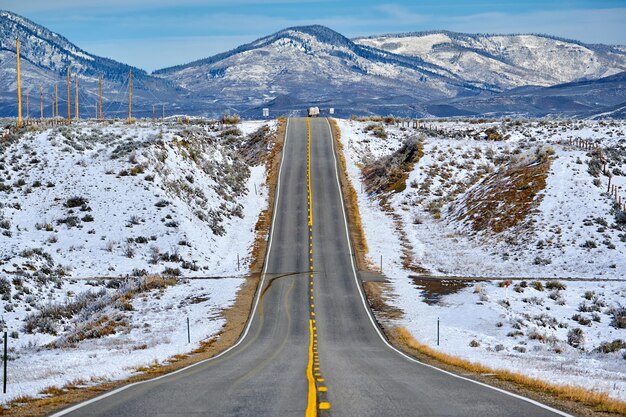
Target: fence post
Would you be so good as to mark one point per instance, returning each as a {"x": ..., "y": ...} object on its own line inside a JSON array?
[
  {"x": 437, "y": 331},
  {"x": 6, "y": 341},
  {"x": 188, "y": 331}
]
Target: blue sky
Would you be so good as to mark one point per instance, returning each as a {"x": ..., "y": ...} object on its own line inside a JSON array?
[{"x": 152, "y": 34}]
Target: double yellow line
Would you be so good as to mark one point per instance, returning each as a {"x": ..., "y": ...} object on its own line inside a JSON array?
[
  {"x": 308, "y": 177},
  {"x": 314, "y": 376}
]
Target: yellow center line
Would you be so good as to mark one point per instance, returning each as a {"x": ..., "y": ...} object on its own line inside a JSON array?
[
  {"x": 311, "y": 409},
  {"x": 313, "y": 372}
]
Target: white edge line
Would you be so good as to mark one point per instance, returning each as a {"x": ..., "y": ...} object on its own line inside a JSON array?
[
  {"x": 241, "y": 338},
  {"x": 369, "y": 313}
]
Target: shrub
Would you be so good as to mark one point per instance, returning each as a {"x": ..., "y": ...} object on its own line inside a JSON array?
[
  {"x": 129, "y": 252},
  {"x": 614, "y": 346},
  {"x": 576, "y": 337},
  {"x": 474, "y": 343},
  {"x": 87, "y": 218},
  {"x": 619, "y": 317},
  {"x": 69, "y": 221},
  {"x": 542, "y": 261},
  {"x": 537, "y": 285},
  {"x": 588, "y": 308},
  {"x": 5, "y": 286},
  {"x": 589, "y": 244},
  {"x": 174, "y": 272},
  {"x": 582, "y": 320},
  {"x": 231, "y": 119},
  {"x": 5, "y": 224},
  {"x": 76, "y": 202},
  {"x": 555, "y": 285},
  {"x": 533, "y": 300}
]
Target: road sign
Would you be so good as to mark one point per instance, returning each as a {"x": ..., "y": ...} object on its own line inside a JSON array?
[
  {"x": 331, "y": 110},
  {"x": 266, "y": 112}
]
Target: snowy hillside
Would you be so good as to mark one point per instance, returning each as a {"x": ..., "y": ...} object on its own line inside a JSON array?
[
  {"x": 147, "y": 206},
  {"x": 45, "y": 58},
  {"x": 489, "y": 201},
  {"x": 506, "y": 61},
  {"x": 313, "y": 64}
]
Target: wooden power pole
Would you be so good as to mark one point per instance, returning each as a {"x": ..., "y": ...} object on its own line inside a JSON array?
[
  {"x": 101, "y": 118},
  {"x": 56, "y": 100},
  {"x": 69, "y": 98},
  {"x": 76, "y": 98},
  {"x": 19, "y": 85},
  {"x": 130, "y": 97},
  {"x": 41, "y": 102}
]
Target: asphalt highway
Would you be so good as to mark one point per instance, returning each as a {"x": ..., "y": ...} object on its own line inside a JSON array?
[{"x": 312, "y": 346}]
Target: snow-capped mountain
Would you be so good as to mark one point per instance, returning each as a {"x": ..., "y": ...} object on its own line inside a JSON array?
[
  {"x": 45, "y": 57},
  {"x": 506, "y": 61},
  {"x": 314, "y": 64},
  {"x": 416, "y": 75}
]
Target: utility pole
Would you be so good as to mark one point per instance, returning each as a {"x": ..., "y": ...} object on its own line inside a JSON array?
[
  {"x": 163, "y": 114},
  {"x": 41, "y": 101},
  {"x": 101, "y": 118},
  {"x": 76, "y": 98},
  {"x": 56, "y": 97},
  {"x": 130, "y": 97},
  {"x": 19, "y": 85},
  {"x": 69, "y": 98}
]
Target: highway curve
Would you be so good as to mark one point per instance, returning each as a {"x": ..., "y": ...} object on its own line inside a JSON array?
[{"x": 311, "y": 345}]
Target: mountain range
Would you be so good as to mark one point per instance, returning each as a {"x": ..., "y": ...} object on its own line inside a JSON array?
[{"x": 420, "y": 74}]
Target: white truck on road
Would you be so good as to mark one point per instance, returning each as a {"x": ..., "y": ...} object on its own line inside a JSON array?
[{"x": 314, "y": 111}]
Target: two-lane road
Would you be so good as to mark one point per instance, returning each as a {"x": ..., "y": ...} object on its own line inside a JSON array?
[{"x": 265, "y": 373}]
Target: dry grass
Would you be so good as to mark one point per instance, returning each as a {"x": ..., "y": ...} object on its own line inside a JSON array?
[
  {"x": 264, "y": 222},
  {"x": 377, "y": 294},
  {"x": 597, "y": 401},
  {"x": 505, "y": 199},
  {"x": 357, "y": 236},
  {"x": 235, "y": 317}
]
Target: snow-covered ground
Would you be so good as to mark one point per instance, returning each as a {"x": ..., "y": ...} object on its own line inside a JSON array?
[
  {"x": 88, "y": 201},
  {"x": 571, "y": 231}
]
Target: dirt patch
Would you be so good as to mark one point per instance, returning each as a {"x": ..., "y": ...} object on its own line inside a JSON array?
[
  {"x": 432, "y": 289},
  {"x": 504, "y": 199},
  {"x": 235, "y": 317}
]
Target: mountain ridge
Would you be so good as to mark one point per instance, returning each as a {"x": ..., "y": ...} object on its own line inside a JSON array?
[{"x": 403, "y": 74}]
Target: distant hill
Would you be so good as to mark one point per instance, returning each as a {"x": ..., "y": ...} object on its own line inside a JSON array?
[
  {"x": 45, "y": 57},
  {"x": 507, "y": 61},
  {"x": 418, "y": 74}
]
